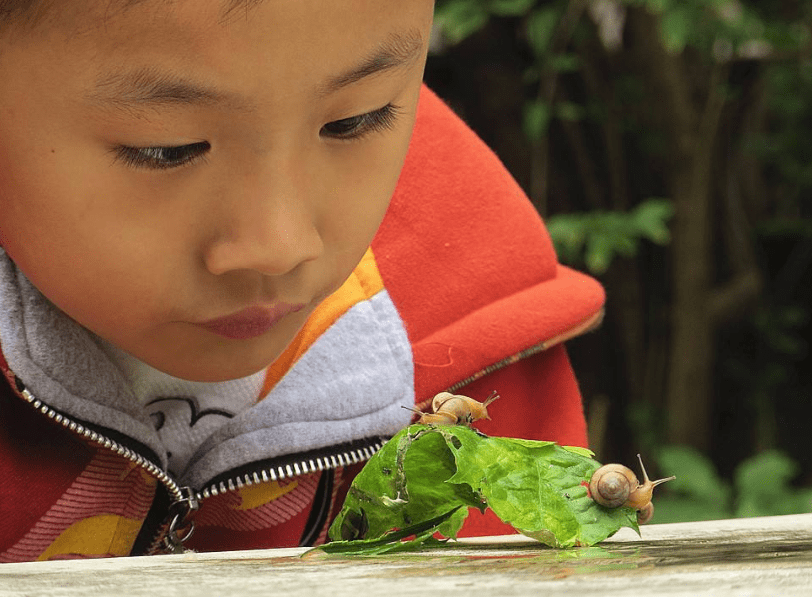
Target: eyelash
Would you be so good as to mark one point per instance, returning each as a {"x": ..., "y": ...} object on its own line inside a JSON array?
[
  {"x": 167, "y": 157},
  {"x": 161, "y": 158},
  {"x": 356, "y": 127}
]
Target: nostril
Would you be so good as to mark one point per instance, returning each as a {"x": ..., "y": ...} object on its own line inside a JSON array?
[{"x": 271, "y": 254}]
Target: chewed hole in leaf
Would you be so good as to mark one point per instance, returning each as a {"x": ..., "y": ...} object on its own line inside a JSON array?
[
  {"x": 538, "y": 487},
  {"x": 354, "y": 526}
]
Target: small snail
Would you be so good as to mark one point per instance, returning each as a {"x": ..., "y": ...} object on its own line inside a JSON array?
[
  {"x": 614, "y": 485},
  {"x": 455, "y": 409}
]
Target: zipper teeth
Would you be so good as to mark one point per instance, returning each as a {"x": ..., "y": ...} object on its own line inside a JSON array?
[
  {"x": 108, "y": 443},
  {"x": 279, "y": 473}
]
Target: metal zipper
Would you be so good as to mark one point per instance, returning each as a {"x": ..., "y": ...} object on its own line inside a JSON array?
[
  {"x": 168, "y": 532},
  {"x": 178, "y": 526},
  {"x": 282, "y": 472},
  {"x": 174, "y": 488}
]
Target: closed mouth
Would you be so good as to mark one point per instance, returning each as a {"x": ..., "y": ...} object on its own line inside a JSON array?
[{"x": 250, "y": 322}]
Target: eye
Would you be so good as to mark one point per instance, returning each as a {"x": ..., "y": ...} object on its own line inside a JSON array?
[
  {"x": 161, "y": 158},
  {"x": 356, "y": 127}
]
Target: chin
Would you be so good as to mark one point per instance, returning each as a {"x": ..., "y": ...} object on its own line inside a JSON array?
[
  {"x": 216, "y": 373},
  {"x": 212, "y": 369},
  {"x": 202, "y": 357}
]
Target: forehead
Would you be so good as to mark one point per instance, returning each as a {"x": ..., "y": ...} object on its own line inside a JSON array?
[
  {"x": 33, "y": 13},
  {"x": 239, "y": 44},
  {"x": 87, "y": 16}
]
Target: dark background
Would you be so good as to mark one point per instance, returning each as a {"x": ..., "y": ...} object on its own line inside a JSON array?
[{"x": 668, "y": 148}]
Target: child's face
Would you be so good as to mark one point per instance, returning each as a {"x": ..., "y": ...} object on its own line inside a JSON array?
[{"x": 166, "y": 166}]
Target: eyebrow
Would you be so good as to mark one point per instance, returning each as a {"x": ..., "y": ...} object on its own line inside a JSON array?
[
  {"x": 150, "y": 87},
  {"x": 398, "y": 51}
]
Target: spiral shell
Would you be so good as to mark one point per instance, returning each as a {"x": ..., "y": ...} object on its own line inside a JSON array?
[{"x": 612, "y": 484}]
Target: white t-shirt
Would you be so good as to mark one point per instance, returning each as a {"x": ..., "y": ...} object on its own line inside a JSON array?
[{"x": 184, "y": 412}]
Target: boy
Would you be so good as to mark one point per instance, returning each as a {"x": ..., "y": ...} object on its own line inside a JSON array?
[{"x": 229, "y": 263}]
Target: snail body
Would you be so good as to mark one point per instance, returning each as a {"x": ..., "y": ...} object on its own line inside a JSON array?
[
  {"x": 455, "y": 409},
  {"x": 614, "y": 485},
  {"x": 645, "y": 513}
]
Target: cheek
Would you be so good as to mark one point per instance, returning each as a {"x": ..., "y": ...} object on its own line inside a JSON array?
[
  {"x": 357, "y": 205},
  {"x": 30, "y": 212},
  {"x": 76, "y": 252},
  {"x": 366, "y": 179},
  {"x": 45, "y": 187}
]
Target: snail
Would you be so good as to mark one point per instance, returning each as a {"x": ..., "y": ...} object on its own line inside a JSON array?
[
  {"x": 455, "y": 409},
  {"x": 614, "y": 485},
  {"x": 645, "y": 513}
]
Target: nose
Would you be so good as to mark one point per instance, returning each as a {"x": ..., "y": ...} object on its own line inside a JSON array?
[{"x": 268, "y": 225}]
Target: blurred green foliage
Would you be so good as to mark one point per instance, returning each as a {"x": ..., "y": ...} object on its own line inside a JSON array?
[
  {"x": 787, "y": 146},
  {"x": 762, "y": 486},
  {"x": 759, "y": 360},
  {"x": 719, "y": 27},
  {"x": 595, "y": 238}
]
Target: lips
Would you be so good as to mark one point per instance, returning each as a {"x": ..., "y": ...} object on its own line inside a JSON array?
[{"x": 251, "y": 322}]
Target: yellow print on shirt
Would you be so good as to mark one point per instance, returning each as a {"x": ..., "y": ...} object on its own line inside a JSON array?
[{"x": 255, "y": 496}]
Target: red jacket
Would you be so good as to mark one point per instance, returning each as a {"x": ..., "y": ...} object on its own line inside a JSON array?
[{"x": 460, "y": 291}]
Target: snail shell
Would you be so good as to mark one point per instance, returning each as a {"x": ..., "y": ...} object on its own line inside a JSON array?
[{"x": 612, "y": 484}]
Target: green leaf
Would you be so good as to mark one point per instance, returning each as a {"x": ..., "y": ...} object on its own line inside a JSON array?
[
  {"x": 393, "y": 490},
  {"x": 764, "y": 486},
  {"x": 599, "y": 251},
  {"x": 585, "y": 452},
  {"x": 651, "y": 217},
  {"x": 539, "y": 488},
  {"x": 600, "y": 235},
  {"x": 424, "y": 472},
  {"x": 389, "y": 542}
]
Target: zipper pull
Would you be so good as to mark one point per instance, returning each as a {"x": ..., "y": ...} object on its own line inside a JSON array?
[{"x": 181, "y": 525}]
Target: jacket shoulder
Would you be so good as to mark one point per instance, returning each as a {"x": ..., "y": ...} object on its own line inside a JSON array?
[{"x": 467, "y": 259}]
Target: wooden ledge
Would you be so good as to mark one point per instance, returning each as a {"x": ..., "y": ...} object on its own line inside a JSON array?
[{"x": 754, "y": 557}]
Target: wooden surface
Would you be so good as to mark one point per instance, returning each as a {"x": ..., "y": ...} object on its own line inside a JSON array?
[{"x": 753, "y": 557}]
